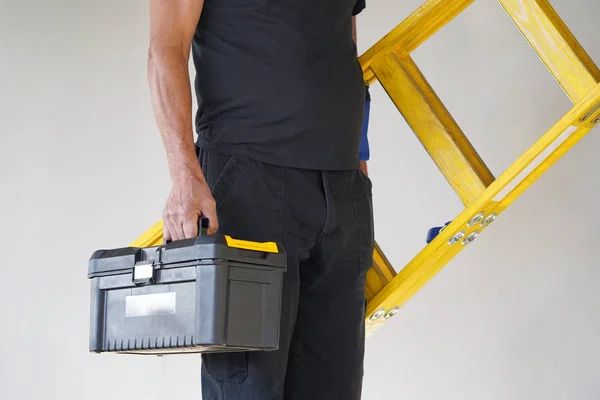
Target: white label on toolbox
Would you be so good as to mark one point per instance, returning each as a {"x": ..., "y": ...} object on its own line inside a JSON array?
[{"x": 150, "y": 304}]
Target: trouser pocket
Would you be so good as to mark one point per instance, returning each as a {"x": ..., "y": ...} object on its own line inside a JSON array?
[
  {"x": 221, "y": 172},
  {"x": 367, "y": 184}
]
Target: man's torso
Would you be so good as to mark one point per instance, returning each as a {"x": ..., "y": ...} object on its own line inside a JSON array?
[{"x": 278, "y": 81}]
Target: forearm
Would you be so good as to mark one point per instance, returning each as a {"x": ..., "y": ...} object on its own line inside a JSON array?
[{"x": 171, "y": 97}]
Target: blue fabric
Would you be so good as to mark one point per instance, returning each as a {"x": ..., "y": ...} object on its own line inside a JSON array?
[{"x": 364, "y": 152}]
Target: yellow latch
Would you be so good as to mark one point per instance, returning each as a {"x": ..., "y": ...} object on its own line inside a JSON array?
[{"x": 267, "y": 247}]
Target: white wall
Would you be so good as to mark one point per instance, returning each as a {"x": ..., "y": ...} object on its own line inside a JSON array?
[{"x": 82, "y": 167}]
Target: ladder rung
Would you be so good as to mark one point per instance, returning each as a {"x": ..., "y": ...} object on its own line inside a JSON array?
[
  {"x": 432, "y": 124},
  {"x": 555, "y": 45},
  {"x": 380, "y": 274},
  {"x": 414, "y": 30},
  {"x": 517, "y": 177}
]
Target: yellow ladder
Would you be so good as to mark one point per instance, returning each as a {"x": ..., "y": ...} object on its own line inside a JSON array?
[{"x": 484, "y": 196}]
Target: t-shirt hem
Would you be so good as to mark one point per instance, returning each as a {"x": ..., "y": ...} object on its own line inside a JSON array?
[{"x": 279, "y": 160}]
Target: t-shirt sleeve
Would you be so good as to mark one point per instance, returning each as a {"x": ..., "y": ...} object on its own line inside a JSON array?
[{"x": 358, "y": 7}]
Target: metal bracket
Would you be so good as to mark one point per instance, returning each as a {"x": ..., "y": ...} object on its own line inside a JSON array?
[
  {"x": 143, "y": 272},
  {"x": 591, "y": 113}
]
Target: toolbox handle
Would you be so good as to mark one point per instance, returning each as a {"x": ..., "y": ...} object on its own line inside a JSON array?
[{"x": 203, "y": 224}]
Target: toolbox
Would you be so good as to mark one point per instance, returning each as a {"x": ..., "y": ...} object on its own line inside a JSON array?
[{"x": 212, "y": 293}]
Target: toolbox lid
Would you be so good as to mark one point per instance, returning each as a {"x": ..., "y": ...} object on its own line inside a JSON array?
[{"x": 201, "y": 248}]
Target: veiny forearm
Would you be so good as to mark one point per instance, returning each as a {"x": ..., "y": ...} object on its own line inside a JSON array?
[{"x": 171, "y": 97}]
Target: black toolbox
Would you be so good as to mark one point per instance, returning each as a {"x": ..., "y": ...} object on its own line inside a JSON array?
[{"x": 206, "y": 294}]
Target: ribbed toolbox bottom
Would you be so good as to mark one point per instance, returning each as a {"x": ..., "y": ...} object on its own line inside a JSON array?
[{"x": 166, "y": 345}]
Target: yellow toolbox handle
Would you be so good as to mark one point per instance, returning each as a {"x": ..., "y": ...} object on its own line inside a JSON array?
[{"x": 268, "y": 247}]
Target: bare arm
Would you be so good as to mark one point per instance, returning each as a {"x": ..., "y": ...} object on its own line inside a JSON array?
[{"x": 172, "y": 27}]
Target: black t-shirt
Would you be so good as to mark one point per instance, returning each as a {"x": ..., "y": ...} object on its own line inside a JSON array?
[{"x": 279, "y": 81}]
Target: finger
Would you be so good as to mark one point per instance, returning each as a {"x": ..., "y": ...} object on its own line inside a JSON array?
[
  {"x": 178, "y": 227},
  {"x": 170, "y": 227},
  {"x": 190, "y": 227},
  {"x": 171, "y": 223},
  {"x": 166, "y": 234}
]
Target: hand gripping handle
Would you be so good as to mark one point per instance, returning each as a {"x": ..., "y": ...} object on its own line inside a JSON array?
[{"x": 203, "y": 224}]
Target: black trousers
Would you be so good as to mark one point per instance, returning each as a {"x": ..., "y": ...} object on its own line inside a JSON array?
[{"x": 324, "y": 221}]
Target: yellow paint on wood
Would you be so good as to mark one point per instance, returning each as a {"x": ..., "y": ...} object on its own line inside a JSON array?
[
  {"x": 567, "y": 131},
  {"x": 152, "y": 237},
  {"x": 555, "y": 45},
  {"x": 380, "y": 274},
  {"x": 432, "y": 123},
  {"x": 414, "y": 30},
  {"x": 572, "y": 136}
]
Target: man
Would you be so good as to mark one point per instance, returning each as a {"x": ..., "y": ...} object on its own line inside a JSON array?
[{"x": 281, "y": 105}]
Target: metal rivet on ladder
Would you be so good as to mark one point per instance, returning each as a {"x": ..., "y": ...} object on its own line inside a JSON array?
[
  {"x": 490, "y": 218},
  {"x": 584, "y": 118},
  {"x": 377, "y": 314},
  {"x": 476, "y": 219},
  {"x": 596, "y": 120},
  {"x": 391, "y": 313},
  {"x": 456, "y": 238},
  {"x": 470, "y": 238}
]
